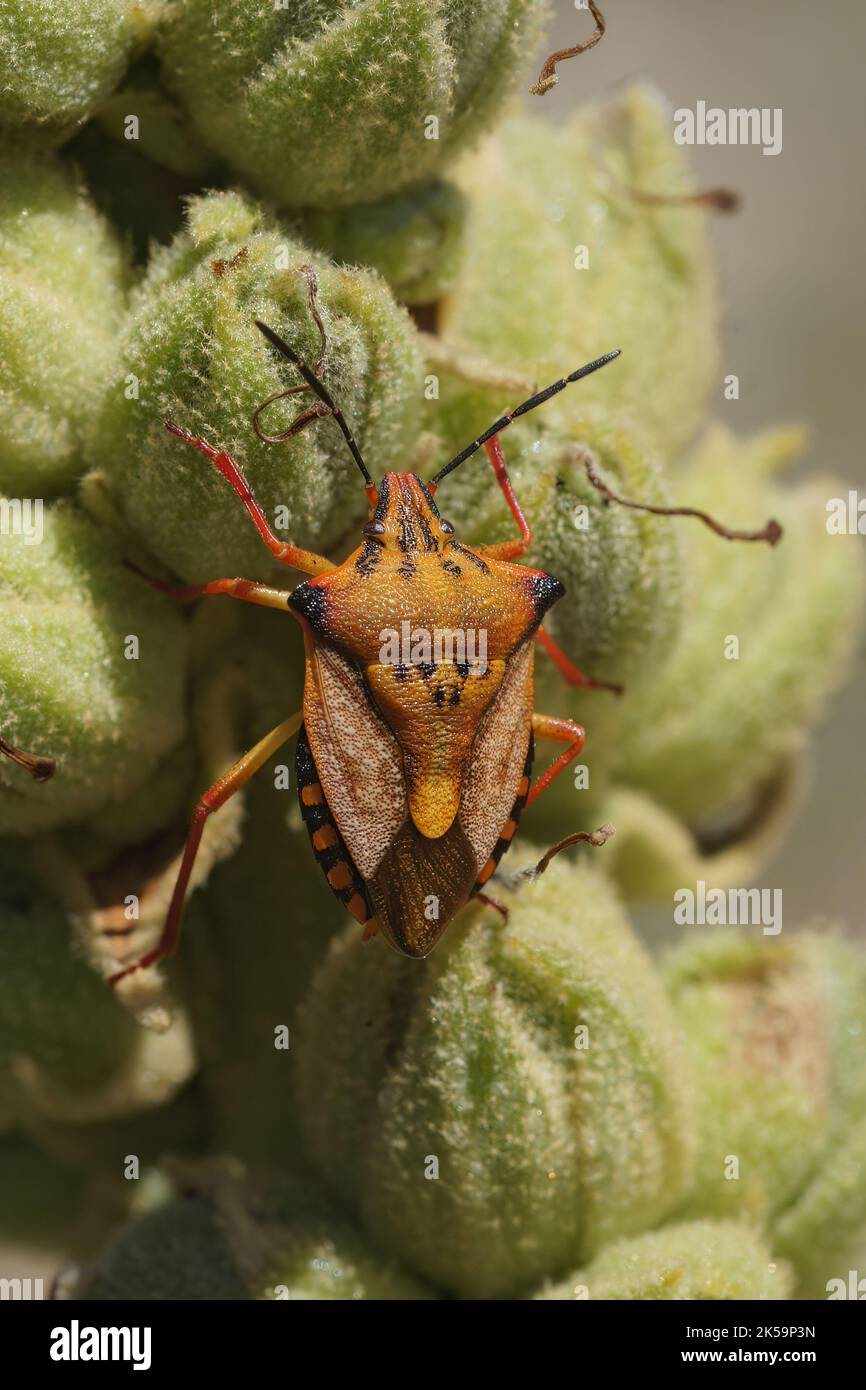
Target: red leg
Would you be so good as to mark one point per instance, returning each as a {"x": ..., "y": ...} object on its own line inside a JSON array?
[
  {"x": 506, "y": 550},
  {"x": 560, "y": 731},
  {"x": 566, "y": 668},
  {"x": 305, "y": 560},
  {"x": 492, "y": 902},
  {"x": 216, "y": 796},
  {"x": 243, "y": 589}
]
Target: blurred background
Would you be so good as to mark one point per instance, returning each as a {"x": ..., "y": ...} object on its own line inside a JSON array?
[{"x": 793, "y": 296}]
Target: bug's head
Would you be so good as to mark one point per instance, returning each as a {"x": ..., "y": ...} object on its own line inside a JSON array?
[{"x": 404, "y": 517}]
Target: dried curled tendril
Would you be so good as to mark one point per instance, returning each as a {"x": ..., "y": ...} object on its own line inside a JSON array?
[
  {"x": 40, "y": 769},
  {"x": 547, "y": 78},
  {"x": 313, "y": 412}
]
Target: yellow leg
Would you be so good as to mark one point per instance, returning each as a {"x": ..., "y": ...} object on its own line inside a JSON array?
[{"x": 214, "y": 797}]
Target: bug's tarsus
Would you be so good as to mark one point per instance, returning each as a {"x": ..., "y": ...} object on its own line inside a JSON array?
[
  {"x": 486, "y": 901},
  {"x": 523, "y": 409},
  {"x": 771, "y": 533},
  {"x": 596, "y": 838},
  {"x": 572, "y": 673},
  {"x": 40, "y": 769},
  {"x": 548, "y": 78}
]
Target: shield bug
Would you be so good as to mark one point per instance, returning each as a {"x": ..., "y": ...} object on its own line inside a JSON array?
[{"x": 415, "y": 744}]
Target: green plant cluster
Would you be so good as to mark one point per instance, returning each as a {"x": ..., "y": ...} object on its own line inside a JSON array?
[{"x": 541, "y": 1109}]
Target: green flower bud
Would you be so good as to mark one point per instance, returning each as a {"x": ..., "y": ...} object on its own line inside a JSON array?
[
  {"x": 54, "y": 1012},
  {"x": 62, "y": 288},
  {"x": 762, "y": 645},
  {"x": 561, "y": 264},
  {"x": 775, "y": 1032},
  {"x": 69, "y": 1052},
  {"x": 509, "y": 1105},
  {"x": 92, "y": 672},
  {"x": 413, "y": 239},
  {"x": 142, "y": 114},
  {"x": 823, "y": 1231},
  {"x": 328, "y": 105},
  {"x": 191, "y": 350},
  {"x": 59, "y": 61},
  {"x": 229, "y": 1240},
  {"x": 827, "y": 1220},
  {"x": 707, "y": 1260}
]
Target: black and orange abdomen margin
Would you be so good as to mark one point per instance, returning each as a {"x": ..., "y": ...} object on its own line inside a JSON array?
[{"x": 328, "y": 844}]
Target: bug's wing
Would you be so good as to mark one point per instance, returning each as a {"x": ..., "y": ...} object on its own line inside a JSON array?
[
  {"x": 497, "y": 781},
  {"x": 422, "y": 882},
  {"x": 415, "y": 883},
  {"x": 357, "y": 757},
  {"x": 419, "y": 886}
]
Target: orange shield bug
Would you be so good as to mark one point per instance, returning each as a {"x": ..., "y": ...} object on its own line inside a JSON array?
[{"x": 416, "y": 736}]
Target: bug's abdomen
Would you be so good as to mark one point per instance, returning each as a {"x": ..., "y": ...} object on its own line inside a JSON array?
[
  {"x": 510, "y": 827},
  {"x": 328, "y": 844}
]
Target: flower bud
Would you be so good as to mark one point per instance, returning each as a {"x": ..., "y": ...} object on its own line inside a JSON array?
[
  {"x": 707, "y": 1260},
  {"x": 232, "y": 1240},
  {"x": 775, "y": 1033},
  {"x": 347, "y": 106},
  {"x": 191, "y": 350},
  {"x": 413, "y": 239},
  {"x": 763, "y": 642},
  {"x": 59, "y": 61},
  {"x": 92, "y": 672},
  {"x": 62, "y": 289},
  {"x": 70, "y": 1055},
  {"x": 561, "y": 263},
  {"x": 506, "y": 1107}
]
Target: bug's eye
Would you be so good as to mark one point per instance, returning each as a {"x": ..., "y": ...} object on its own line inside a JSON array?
[
  {"x": 374, "y": 528},
  {"x": 447, "y": 528}
]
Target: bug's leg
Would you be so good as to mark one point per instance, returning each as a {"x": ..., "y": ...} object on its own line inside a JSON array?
[
  {"x": 214, "y": 797},
  {"x": 244, "y": 589},
  {"x": 497, "y": 906},
  {"x": 561, "y": 731},
  {"x": 506, "y": 550},
  {"x": 305, "y": 560},
  {"x": 566, "y": 668},
  {"x": 40, "y": 769},
  {"x": 558, "y": 731}
]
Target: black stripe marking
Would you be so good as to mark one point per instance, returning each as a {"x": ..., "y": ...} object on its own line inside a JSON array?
[
  {"x": 316, "y": 817},
  {"x": 475, "y": 560}
]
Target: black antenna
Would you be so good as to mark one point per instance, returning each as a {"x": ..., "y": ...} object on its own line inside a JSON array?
[
  {"x": 321, "y": 391},
  {"x": 524, "y": 409}
]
